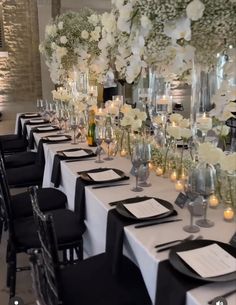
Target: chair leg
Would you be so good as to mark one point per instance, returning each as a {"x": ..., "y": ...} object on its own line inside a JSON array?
[
  {"x": 12, "y": 275},
  {"x": 8, "y": 253},
  {"x": 71, "y": 254},
  {"x": 80, "y": 251}
]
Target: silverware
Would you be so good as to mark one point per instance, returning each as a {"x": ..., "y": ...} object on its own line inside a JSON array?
[
  {"x": 109, "y": 185},
  {"x": 155, "y": 222},
  {"x": 79, "y": 159},
  {"x": 225, "y": 295},
  {"x": 175, "y": 241},
  {"x": 171, "y": 246}
]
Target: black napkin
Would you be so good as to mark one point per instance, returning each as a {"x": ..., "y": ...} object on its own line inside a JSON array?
[
  {"x": 80, "y": 191},
  {"x": 172, "y": 285},
  {"x": 56, "y": 169},
  {"x": 115, "y": 232},
  {"x": 31, "y": 136},
  {"x": 32, "y": 123},
  {"x": 19, "y": 125}
]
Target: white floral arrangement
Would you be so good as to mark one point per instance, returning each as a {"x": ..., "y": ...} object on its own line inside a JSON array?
[
  {"x": 167, "y": 34},
  {"x": 133, "y": 118},
  {"x": 61, "y": 94},
  {"x": 71, "y": 40}
]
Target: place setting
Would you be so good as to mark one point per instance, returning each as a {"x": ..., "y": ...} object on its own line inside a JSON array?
[
  {"x": 68, "y": 155},
  {"x": 40, "y": 129}
]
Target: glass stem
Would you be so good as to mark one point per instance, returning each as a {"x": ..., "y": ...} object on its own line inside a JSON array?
[
  {"x": 205, "y": 210},
  {"x": 136, "y": 179},
  {"x": 191, "y": 219},
  {"x": 108, "y": 151}
]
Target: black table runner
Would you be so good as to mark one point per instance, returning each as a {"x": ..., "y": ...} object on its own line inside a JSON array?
[
  {"x": 56, "y": 169},
  {"x": 172, "y": 285}
]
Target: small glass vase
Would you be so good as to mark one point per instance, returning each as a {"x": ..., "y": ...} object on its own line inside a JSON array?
[{"x": 228, "y": 188}]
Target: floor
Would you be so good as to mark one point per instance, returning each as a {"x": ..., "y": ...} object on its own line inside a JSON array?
[{"x": 24, "y": 281}]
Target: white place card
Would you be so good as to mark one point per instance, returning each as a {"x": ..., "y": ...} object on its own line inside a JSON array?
[
  {"x": 60, "y": 138},
  {"x": 45, "y": 128},
  {"x": 104, "y": 175},
  {"x": 209, "y": 261},
  {"x": 37, "y": 121},
  {"x": 30, "y": 115},
  {"x": 77, "y": 153},
  {"x": 147, "y": 208}
]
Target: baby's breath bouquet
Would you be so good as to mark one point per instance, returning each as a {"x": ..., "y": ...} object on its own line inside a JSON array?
[{"x": 71, "y": 40}]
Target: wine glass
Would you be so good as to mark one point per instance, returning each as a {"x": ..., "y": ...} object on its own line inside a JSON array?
[
  {"x": 203, "y": 182},
  {"x": 108, "y": 138},
  {"x": 191, "y": 228},
  {"x": 74, "y": 125},
  {"x": 144, "y": 168},
  {"x": 60, "y": 118},
  {"x": 82, "y": 130},
  {"x": 136, "y": 159},
  {"x": 99, "y": 137}
]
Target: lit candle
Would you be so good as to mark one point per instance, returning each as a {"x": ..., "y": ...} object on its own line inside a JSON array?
[
  {"x": 183, "y": 176},
  {"x": 159, "y": 171},
  {"x": 173, "y": 176},
  {"x": 151, "y": 166},
  {"x": 179, "y": 186},
  {"x": 228, "y": 214},
  {"x": 123, "y": 153},
  {"x": 163, "y": 101},
  {"x": 112, "y": 109},
  {"x": 204, "y": 122},
  {"x": 213, "y": 201}
]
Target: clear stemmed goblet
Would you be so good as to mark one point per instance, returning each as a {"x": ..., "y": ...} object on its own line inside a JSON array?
[
  {"x": 144, "y": 169},
  {"x": 74, "y": 125},
  {"x": 99, "y": 137},
  {"x": 108, "y": 138},
  {"x": 136, "y": 160},
  {"x": 191, "y": 228},
  {"x": 82, "y": 130}
]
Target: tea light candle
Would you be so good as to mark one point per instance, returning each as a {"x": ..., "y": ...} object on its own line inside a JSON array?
[
  {"x": 123, "y": 153},
  {"x": 179, "y": 186},
  {"x": 204, "y": 122},
  {"x": 163, "y": 101},
  {"x": 173, "y": 176},
  {"x": 213, "y": 201},
  {"x": 159, "y": 171},
  {"x": 228, "y": 214},
  {"x": 112, "y": 109},
  {"x": 183, "y": 176}
]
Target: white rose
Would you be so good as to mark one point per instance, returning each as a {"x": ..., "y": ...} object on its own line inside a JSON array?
[
  {"x": 176, "y": 117},
  {"x": 195, "y": 10},
  {"x": 53, "y": 46},
  {"x": 93, "y": 19},
  {"x": 63, "y": 39},
  {"x": 136, "y": 124},
  {"x": 178, "y": 29},
  {"x": 123, "y": 25},
  {"x": 60, "y": 25},
  {"x": 222, "y": 130},
  {"x": 126, "y": 121},
  {"x": 174, "y": 132},
  {"x": 51, "y": 30},
  {"x": 84, "y": 34},
  {"x": 209, "y": 153},
  {"x": 184, "y": 123},
  {"x": 185, "y": 133},
  {"x": 228, "y": 162}
]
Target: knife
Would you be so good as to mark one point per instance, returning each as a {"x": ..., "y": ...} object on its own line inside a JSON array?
[
  {"x": 155, "y": 222},
  {"x": 109, "y": 185},
  {"x": 80, "y": 159},
  {"x": 169, "y": 247}
]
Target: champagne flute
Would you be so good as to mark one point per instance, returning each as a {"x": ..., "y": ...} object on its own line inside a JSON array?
[
  {"x": 99, "y": 137},
  {"x": 136, "y": 159},
  {"x": 74, "y": 125}
]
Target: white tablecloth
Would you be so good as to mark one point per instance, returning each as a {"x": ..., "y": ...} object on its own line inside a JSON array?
[{"x": 138, "y": 243}]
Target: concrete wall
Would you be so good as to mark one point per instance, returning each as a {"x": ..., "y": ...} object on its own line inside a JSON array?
[{"x": 20, "y": 73}]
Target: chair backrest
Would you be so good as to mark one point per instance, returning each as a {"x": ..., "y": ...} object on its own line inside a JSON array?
[
  {"x": 6, "y": 200},
  {"x": 46, "y": 271}
]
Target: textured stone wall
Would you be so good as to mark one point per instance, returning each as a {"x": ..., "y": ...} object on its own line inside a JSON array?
[{"x": 20, "y": 76}]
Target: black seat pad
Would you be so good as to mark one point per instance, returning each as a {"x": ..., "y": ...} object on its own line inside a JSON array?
[
  {"x": 66, "y": 224},
  {"x": 90, "y": 282},
  {"x": 19, "y": 144},
  {"x": 9, "y": 137},
  {"x": 25, "y": 175},
  {"x": 48, "y": 199},
  {"x": 20, "y": 159}
]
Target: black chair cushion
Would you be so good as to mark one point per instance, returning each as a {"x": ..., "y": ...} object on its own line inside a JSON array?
[
  {"x": 20, "y": 159},
  {"x": 67, "y": 229},
  {"x": 9, "y": 137},
  {"x": 90, "y": 282},
  {"x": 17, "y": 145},
  {"x": 48, "y": 199},
  {"x": 25, "y": 176}
]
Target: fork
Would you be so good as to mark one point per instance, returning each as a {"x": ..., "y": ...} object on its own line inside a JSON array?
[
  {"x": 171, "y": 246},
  {"x": 225, "y": 295},
  {"x": 175, "y": 241}
]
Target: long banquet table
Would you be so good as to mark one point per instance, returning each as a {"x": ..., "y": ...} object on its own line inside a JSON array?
[{"x": 138, "y": 243}]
